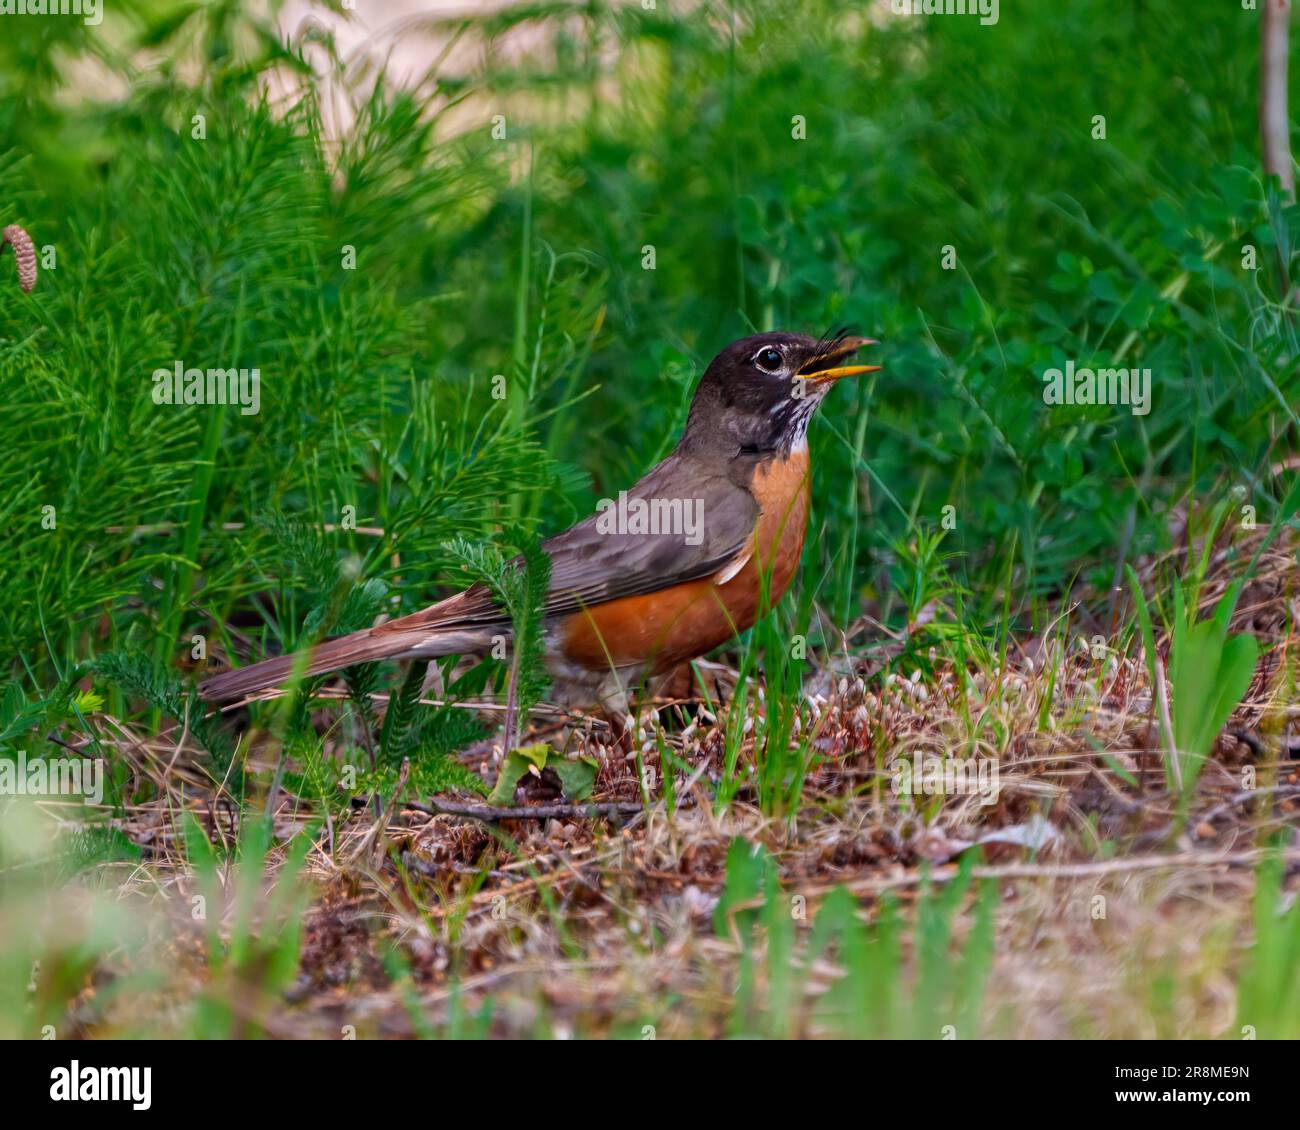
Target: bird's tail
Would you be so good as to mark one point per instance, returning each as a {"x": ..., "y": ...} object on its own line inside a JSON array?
[
  {"x": 440, "y": 630},
  {"x": 331, "y": 655}
]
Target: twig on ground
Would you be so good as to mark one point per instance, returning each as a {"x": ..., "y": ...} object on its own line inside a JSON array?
[
  {"x": 493, "y": 813},
  {"x": 1247, "y": 795},
  {"x": 375, "y": 834},
  {"x": 1068, "y": 870},
  {"x": 413, "y": 862}
]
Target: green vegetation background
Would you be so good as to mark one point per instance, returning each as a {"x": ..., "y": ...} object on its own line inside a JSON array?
[{"x": 523, "y": 257}]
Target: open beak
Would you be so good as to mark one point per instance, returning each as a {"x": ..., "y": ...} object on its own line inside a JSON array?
[{"x": 845, "y": 348}]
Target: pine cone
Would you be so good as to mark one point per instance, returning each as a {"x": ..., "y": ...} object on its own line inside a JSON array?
[{"x": 25, "y": 253}]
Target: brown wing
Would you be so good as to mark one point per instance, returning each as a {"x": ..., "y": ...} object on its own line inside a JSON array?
[{"x": 591, "y": 562}]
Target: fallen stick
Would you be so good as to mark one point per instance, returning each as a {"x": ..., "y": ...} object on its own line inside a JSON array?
[
  {"x": 491, "y": 813},
  {"x": 1061, "y": 870},
  {"x": 375, "y": 834}
]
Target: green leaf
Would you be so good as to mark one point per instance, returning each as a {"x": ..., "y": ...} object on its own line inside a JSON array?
[
  {"x": 746, "y": 866},
  {"x": 1144, "y": 619},
  {"x": 1236, "y": 670},
  {"x": 516, "y": 764},
  {"x": 577, "y": 776}
]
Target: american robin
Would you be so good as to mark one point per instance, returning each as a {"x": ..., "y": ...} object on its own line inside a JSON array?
[{"x": 693, "y": 554}]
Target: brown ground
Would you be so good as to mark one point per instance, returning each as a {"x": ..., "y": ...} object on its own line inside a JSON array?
[{"x": 575, "y": 925}]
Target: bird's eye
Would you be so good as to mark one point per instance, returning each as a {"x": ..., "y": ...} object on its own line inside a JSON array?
[{"x": 769, "y": 359}]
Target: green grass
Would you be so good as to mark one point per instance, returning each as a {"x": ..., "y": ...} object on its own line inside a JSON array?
[
  {"x": 938, "y": 994},
  {"x": 461, "y": 350},
  {"x": 378, "y": 380}
]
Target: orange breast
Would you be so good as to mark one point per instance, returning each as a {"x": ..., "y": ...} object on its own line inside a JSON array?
[{"x": 675, "y": 624}]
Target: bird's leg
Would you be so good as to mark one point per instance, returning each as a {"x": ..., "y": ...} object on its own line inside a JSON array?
[
  {"x": 617, "y": 710},
  {"x": 621, "y": 732}
]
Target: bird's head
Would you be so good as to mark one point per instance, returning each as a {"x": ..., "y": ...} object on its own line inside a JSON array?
[{"x": 759, "y": 393}]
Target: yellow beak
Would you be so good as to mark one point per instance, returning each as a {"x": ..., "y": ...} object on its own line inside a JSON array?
[
  {"x": 847, "y": 346},
  {"x": 828, "y": 376}
]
